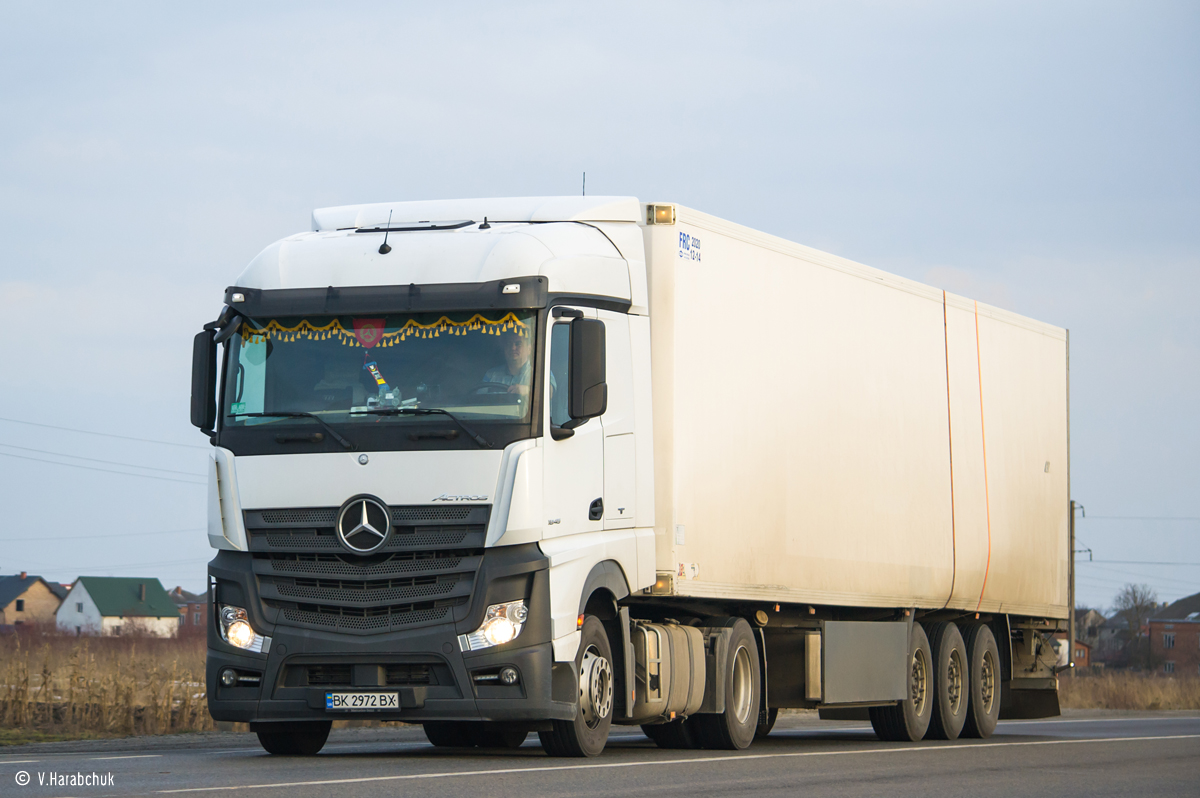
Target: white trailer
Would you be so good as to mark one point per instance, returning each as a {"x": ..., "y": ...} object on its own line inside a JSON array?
[{"x": 549, "y": 464}]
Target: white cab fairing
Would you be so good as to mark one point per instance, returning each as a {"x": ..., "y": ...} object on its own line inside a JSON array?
[
  {"x": 226, "y": 529},
  {"x": 327, "y": 480},
  {"x": 575, "y": 258}
]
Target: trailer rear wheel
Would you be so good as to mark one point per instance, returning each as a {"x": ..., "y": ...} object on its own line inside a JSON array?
[
  {"x": 296, "y": 739},
  {"x": 909, "y": 720},
  {"x": 983, "y": 662},
  {"x": 951, "y": 680},
  {"x": 734, "y": 728},
  {"x": 587, "y": 734}
]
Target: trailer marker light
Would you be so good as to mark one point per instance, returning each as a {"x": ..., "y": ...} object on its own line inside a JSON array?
[
  {"x": 660, "y": 214},
  {"x": 579, "y": 621}
]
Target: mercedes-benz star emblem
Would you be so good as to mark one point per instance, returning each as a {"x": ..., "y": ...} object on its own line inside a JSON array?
[{"x": 363, "y": 524}]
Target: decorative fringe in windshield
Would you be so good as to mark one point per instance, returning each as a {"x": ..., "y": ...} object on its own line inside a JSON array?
[{"x": 306, "y": 330}]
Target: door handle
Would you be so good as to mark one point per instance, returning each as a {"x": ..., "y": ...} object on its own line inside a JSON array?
[{"x": 596, "y": 510}]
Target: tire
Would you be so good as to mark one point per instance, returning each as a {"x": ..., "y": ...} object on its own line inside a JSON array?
[
  {"x": 951, "y": 679},
  {"x": 734, "y": 728},
  {"x": 678, "y": 734},
  {"x": 300, "y": 739},
  {"x": 587, "y": 734},
  {"x": 983, "y": 662},
  {"x": 765, "y": 728},
  {"x": 451, "y": 733},
  {"x": 500, "y": 735},
  {"x": 909, "y": 720}
]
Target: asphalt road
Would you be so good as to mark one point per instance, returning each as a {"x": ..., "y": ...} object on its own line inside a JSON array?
[{"x": 1125, "y": 754}]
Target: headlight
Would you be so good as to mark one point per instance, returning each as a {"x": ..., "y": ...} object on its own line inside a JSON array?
[
  {"x": 501, "y": 624},
  {"x": 237, "y": 632}
]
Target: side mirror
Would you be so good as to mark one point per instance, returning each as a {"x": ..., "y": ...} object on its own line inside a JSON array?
[
  {"x": 204, "y": 381},
  {"x": 587, "y": 395}
]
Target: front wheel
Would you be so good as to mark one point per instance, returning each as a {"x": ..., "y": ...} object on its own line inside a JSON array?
[{"x": 587, "y": 734}]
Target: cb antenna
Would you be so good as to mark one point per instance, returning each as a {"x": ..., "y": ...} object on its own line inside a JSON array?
[
  {"x": 585, "y": 184},
  {"x": 384, "y": 248}
]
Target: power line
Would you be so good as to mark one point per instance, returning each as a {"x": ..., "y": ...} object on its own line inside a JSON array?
[
  {"x": 98, "y": 537},
  {"x": 99, "y": 460},
  {"x": 103, "y": 434},
  {"x": 1136, "y": 562},
  {"x": 1141, "y": 518},
  {"x": 105, "y": 470}
]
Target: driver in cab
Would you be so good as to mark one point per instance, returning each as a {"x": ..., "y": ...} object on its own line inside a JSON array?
[{"x": 517, "y": 371}]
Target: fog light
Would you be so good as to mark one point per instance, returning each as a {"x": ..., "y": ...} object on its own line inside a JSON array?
[
  {"x": 501, "y": 624},
  {"x": 508, "y": 675},
  {"x": 229, "y": 677}
]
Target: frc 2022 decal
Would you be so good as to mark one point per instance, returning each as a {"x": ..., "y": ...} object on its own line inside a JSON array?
[{"x": 689, "y": 247}]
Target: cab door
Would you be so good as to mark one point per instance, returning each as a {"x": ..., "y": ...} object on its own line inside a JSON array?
[{"x": 574, "y": 464}]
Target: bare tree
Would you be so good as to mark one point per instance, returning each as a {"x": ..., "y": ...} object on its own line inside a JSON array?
[{"x": 1135, "y": 604}]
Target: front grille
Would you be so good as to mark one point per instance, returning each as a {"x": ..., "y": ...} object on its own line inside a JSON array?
[
  {"x": 328, "y": 674},
  {"x": 376, "y": 619},
  {"x": 319, "y": 516},
  {"x": 425, "y": 570},
  {"x": 404, "y": 537},
  {"x": 342, "y": 675},
  {"x": 365, "y": 592},
  {"x": 408, "y": 674},
  {"x": 325, "y": 516}
]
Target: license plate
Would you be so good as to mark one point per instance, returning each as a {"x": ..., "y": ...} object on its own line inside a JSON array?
[{"x": 361, "y": 702}]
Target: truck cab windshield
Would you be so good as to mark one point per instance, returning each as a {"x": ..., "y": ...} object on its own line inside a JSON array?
[{"x": 350, "y": 370}]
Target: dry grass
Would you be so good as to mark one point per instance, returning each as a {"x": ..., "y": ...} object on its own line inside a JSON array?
[
  {"x": 68, "y": 687},
  {"x": 1124, "y": 690}
]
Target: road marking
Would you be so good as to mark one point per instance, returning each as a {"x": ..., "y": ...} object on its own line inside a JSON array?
[
  {"x": 689, "y": 761},
  {"x": 1090, "y": 720},
  {"x": 131, "y": 756},
  {"x": 19, "y": 761}
]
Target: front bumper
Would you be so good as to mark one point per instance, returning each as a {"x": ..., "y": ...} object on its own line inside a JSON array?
[{"x": 279, "y": 685}]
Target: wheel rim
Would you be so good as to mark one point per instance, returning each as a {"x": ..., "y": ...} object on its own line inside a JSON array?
[
  {"x": 743, "y": 685},
  {"x": 919, "y": 682},
  {"x": 595, "y": 687},
  {"x": 987, "y": 683},
  {"x": 954, "y": 682}
]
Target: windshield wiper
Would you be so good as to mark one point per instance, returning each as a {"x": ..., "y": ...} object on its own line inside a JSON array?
[
  {"x": 425, "y": 411},
  {"x": 280, "y": 414}
]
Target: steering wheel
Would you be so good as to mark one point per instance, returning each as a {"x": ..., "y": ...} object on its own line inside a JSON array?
[{"x": 488, "y": 388}]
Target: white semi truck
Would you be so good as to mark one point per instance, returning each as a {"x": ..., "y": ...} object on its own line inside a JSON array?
[{"x": 503, "y": 466}]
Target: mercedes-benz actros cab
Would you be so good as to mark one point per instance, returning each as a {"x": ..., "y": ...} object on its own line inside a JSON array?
[{"x": 504, "y": 466}]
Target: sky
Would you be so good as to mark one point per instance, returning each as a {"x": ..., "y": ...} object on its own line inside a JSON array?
[{"x": 1040, "y": 157}]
